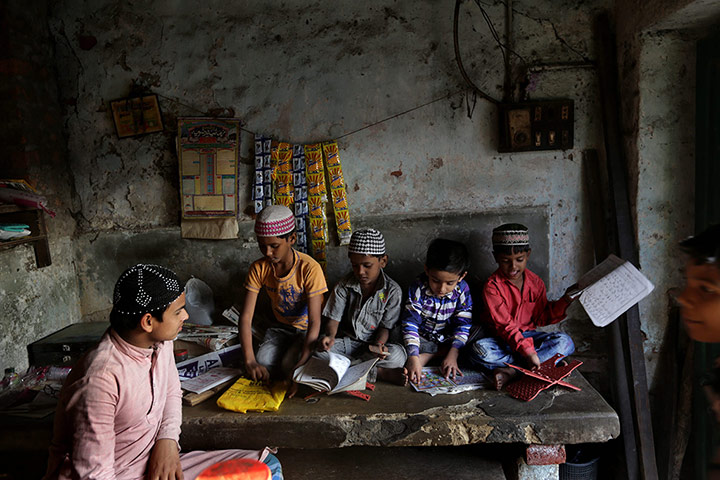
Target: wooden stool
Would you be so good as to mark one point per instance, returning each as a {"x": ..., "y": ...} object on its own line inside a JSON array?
[{"x": 236, "y": 469}]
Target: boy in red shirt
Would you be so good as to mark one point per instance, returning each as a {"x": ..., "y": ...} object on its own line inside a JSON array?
[{"x": 517, "y": 304}]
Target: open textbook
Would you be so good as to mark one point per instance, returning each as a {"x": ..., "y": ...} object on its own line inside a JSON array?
[
  {"x": 434, "y": 382},
  {"x": 610, "y": 289},
  {"x": 333, "y": 373}
]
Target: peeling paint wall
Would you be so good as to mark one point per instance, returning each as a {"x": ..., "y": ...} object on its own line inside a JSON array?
[
  {"x": 34, "y": 302},
  {"x": 657, "y": 65},
  {"x": 303, "y": 71}
]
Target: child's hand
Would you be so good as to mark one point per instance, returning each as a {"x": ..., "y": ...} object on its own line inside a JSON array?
[
  {"x": 571, "y": 292},
  {"x": 326, "y": 343},
  {"x": 292, "y": 390},
  {"x": 257, "y": 371},
  {"x": 534, "y": 361},
  {"x": 414, "y": 369},
  {"x": 379, "y": 349},
  {"x": 449, "y": 368}
]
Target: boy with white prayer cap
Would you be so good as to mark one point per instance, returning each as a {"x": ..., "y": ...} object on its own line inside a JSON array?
[
  {"x": 517, "y": 304},
  {"x": 365, "y": 306},
  {"x": 295, "y": 284}
]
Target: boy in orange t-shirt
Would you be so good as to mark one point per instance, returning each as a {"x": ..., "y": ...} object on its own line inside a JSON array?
[{"x": 295, "y": 284}]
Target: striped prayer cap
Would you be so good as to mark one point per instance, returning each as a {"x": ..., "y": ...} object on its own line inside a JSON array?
[
  {"x": 367, "y": 241},
  {"x": 274, "y": 221},
  {"x": 510, "y": 235}
]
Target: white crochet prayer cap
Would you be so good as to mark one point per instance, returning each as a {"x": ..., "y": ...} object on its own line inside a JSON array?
[
  {"x": 367, "y": 241},
  {"x": 274, "y": 221}
]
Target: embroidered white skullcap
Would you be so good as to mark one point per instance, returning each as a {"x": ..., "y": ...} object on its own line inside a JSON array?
[{"x": 511, "y": 235}]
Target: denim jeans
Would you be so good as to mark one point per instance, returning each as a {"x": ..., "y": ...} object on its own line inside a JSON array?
[
  {"x": 492, "y": 353},
  {"x": 280, "y": 350}
]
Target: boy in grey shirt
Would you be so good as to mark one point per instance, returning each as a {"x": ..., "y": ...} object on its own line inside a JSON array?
[{"x": 364, "y": 307}]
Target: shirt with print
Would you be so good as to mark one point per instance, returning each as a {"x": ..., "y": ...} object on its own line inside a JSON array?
[
  {"x": 360, "y": 320},
  {"x": 436, "y": 318},
  {"x": 289, "y": 294},
  {"x": 510, "y": 311}
]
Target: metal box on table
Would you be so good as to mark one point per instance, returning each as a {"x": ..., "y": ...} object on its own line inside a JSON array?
[{"x": 67, "y": 345}]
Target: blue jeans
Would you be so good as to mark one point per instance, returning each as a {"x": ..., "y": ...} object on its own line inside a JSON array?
[
  {"x": 275, "y": 468},
  {"x": 492, "y": 353}
]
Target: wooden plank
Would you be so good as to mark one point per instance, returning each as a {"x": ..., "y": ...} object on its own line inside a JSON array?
[
  {"x": 617, "y": 174},
  {"x": 602, "y": 245}
]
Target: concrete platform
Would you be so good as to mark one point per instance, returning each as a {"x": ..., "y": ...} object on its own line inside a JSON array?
[
  {"x": 400, "y": 417},
  {"x": 362, "y": 463}
]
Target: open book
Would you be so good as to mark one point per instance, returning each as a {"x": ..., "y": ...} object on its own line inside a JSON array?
[
  {"x": 610, "y": 289},
  {"x": 333, "y": 373}
]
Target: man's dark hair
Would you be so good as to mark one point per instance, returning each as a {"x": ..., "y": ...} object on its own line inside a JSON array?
[
  {"x": 447, "y": 256},
  {"x": 510, "y": 249},
  {"x": 704, "y": 247},
  {"x": 121, "y": 322}
]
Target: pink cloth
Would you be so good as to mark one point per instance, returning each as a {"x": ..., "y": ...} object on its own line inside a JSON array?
[
  {"x": 116, "y": 402},
  {"x": 510, "y": 312}
]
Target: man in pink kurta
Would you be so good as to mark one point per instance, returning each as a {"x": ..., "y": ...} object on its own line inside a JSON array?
[{"x": 120, "y": 411}]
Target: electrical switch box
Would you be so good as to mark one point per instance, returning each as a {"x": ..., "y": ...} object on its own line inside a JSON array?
[{"x": 534, "y": 126}]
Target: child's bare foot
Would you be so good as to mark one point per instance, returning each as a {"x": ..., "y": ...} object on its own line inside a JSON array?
[
  {"x": 502, "y": 376},
  {"x": 398, "y": 376}
]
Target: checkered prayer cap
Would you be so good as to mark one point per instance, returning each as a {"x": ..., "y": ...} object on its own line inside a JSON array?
[
  {"x": 144, "y": 288},
  {"x": 274, "y": 221},
  {"x": 367, "y": 241},
  {"x": 511, "y": 235}
]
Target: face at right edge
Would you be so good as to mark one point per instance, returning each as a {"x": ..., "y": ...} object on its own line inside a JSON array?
[{"x": 700, "y": 301}]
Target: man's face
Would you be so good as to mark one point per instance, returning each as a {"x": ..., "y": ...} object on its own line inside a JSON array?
[
  {"x": 513, "y": 265},
  {"x": 700, "y": 302},
  {"x": 276, "y": 249},
  {"x": 172, "y": 321},
  {"x": 442, "y": 282},
  {"x": 367, "y": 268}
]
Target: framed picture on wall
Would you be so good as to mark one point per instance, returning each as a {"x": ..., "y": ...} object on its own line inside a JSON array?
[{"x": 137, "y": 115}]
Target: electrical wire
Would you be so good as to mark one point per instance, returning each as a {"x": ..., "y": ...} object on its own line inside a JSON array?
[{"x": 458, "y": 58}]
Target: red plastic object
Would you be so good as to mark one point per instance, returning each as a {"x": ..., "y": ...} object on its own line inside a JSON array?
[
  {"x": 370, "y": 386},
  {"x": 358, "y": 394},
  {"x": 535, "y": 381},
  {"x": 237, "y": 469}
]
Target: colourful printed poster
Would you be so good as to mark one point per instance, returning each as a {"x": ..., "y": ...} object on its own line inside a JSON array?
[{"x": 208, "y": 150}]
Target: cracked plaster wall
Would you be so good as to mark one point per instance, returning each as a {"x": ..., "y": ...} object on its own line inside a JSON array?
[
  {"x": 304, "y": 72},
  {"x": 34, "y": 302},
  {"x": 656, "y": 61}
]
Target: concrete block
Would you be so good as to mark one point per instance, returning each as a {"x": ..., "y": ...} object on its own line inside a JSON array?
[
  {"x": 536, "y": 472},
  {"x": 545, "y": 454}
]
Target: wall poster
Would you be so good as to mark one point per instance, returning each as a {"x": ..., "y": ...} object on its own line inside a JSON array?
[{"x": 208, "y": 151}]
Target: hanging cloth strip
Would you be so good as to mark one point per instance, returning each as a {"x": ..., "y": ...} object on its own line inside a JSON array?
[
  {"x": 338, "y": 192},
  {"x": 284, "y": 191},
  {"x": 262, "y": 188},
  {"x": 301, "y": 197},
  {"x": 317, "y": 197}
]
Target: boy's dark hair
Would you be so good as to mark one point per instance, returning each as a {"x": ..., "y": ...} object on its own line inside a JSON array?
[
  {"x": 704, "y": 247},
  {"x": 447, "y": 256},
  {"x": 286, "y": 236},
  {"x": 121, "y": 322},
  {"x": 509, "y": 249}
]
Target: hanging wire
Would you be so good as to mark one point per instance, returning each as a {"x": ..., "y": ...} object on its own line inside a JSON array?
[{"x": 458, "y": 59}]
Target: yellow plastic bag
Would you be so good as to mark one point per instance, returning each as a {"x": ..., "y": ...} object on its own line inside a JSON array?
[{"x": 247, "y": 395}]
